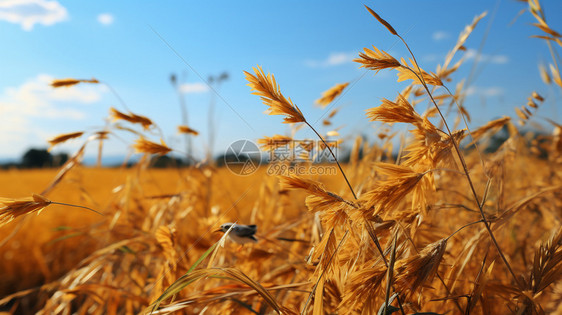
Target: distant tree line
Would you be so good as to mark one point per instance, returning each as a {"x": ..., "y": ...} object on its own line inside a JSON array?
[
  {"x": 38, "y": 158},
  {"x": 41, "y": 158}
]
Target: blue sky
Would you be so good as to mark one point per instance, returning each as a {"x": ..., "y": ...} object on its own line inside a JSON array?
[{"x": 134, "y": 46}]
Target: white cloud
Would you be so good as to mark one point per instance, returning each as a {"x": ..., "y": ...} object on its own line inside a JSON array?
[
  {"x": 27, "y": 13},
  {"x": 440, "y": 35},
  {"x": 106, "y": 19},
  {"x": 189, "y": 88},
  {"x": 495, "y": 59},
  {"x": 430, "y": 57},
  {"x": 485, "y": 91},
  {"x": 25, "y": 108},
  {"x": 333, "y": 59}
]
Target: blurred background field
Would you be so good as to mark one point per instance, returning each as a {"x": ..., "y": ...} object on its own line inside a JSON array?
[{"x": 444, "y": 194}]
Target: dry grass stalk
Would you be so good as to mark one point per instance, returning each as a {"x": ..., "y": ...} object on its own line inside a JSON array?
[
  {"x": 555, "y": 74},
  {"x": 333, "y": 112},
  {"x": 493, "y": 126},
  {"x": 267, "y": 88},
  {"x": 376, "y": 60},
  {"x": 13, "y": 208},
  {"x": 382, "y": 21},
  {"x": 547, "y": 264},
  {"x": 442, "y": 151},
  {"x": 64, "y": 137},
  {"x": 407, "y": 72},
  {"x": 329, "y": 95},
  {"x": 320, "y": 199},
  {"x": 420, "y": 151},
  {"x": 132, "y": 118},
  {"x": 70, "y": 82},
  {"x": 525, "y": 113},
  {"x": 537, "y": 96},
  {"x": 463, "y": 36},
  {"x": 363, "y": 285},
  {"x": 537, "y": 12},
  {"x": 480, "y": 286},
  {"x": 145, "y": 146},
  {"x": 400, "y": 111},
  {"x": 187, "y": 130},
  {"x": 389, "y": 193},
  {"x": 545, "y": 76},
  {"x": 355, "y": 276},
  {"x": 416, "y": 270}
]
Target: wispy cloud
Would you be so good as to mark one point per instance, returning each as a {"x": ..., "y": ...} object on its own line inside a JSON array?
[
  {"x": 21, "y": 107},
  {"x": 485, "y": 91},
  {"x": 440, "y": 35},
  {"x": 27, "y": 13},
  {"x": 106, "y": 19},
  {"x": 431, "y": 57},
  {"x": 190, "y": 88},
  {"x": 334, "y": 59},
  {"x": 495, "y": 59}
]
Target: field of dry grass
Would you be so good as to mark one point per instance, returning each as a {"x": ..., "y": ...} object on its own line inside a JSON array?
[{"x": 438, "y": 227}]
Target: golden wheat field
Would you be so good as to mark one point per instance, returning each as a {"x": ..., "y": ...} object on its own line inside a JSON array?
[{"x": 448, "y": 220}]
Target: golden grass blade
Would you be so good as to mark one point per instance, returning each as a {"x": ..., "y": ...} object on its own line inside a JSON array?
[
  {"x": 407, "y": 72},
  {"x": 364, "y": 283},
  {"x": 376, "y": 60},
  {"x": 229, "y": 273},
  {"x": 221, "y": 242},
  {"x": 545, "y": 28},
  {"x": 480, "y": 286},
  {"x": 320, "y": 199},
  {"x": 132, "y": 118},
  {"x": 462, "y": 39},
  {"x": 382, "y": 21},
  {"x": 148, "y": 147},
  {"x": 537, "y": 96},
  {"x": 64, "y": 137},
  {"x": 187, "y": 130},
  {"x": 333, "y": 113},
  {"x": 13, "y": 208},
  {"x": 265, "y": 86},
  {"x": 400, "y": 111},
  {"x": 166, "y": 238},
  {"x": 390, "y": 274},
  {"x": 414, "y": 271},
  {"x": 547, "y": 265},
  {"x": 493, "y": 126},
  {"x": 388, "y": 193},
  {"x": 190, "y": 276},
  {"x": 70, "y": 82},
  {"x": 318, "y": 306},
  {"x": 517, "y": 206},
  {"x": 555, "y": 74},
  {"x": 329, "y": 95},
  {"x": 545, "y": 76},
  {"x": 65, "y": 169}
]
